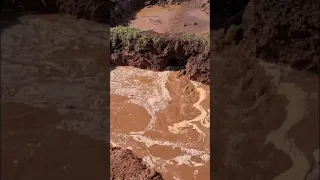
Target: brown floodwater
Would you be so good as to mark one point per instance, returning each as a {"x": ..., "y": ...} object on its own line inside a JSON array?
[
  {"x": 53, "y": 99},
  {"x": 164, "y": 118},
  {"x": 172, "y": 18}
]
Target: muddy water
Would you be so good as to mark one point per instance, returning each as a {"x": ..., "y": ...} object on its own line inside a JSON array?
[
  {"x": 53, "y": 98},
  {"x": 164, "y": 118},
  {"x": 173, "y": 18},
  {"x": 298, "y": 136}
]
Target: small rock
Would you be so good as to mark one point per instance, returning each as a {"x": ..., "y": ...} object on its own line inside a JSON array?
[
  {"x": 184, "y": 25},
  {"x": 194, "y": 23}
]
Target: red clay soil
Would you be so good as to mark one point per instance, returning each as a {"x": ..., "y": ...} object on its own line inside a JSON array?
[
  {"x": 125, "y": 165},
  {"x": 155, "y": 51}
]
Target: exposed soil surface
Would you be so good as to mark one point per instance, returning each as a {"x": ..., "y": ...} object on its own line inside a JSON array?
[
  {"x": 285, "y": 32},
  {"x": 125, "y": 165},
  {"x": 282, "y": 32},
  {"x": 151, "y": 50}
]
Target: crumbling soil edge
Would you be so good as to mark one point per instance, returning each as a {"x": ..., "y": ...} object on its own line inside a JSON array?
[
  {"x": 125, "y": 165},
  {"x": 155, "y": 51}
]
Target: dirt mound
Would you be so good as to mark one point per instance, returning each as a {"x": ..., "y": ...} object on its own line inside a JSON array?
[
  {"x": 284, "y": 31},
  {"x": 124, "y": 165},
  {"x": 151, "y": 50}
]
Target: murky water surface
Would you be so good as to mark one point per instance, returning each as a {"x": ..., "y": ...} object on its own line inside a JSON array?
[
  {"x": 302, "y": 92},
  {"x": 164, "y": 118},
  {"x": 53, "y": 98},
  {"x": 172, "y": 18}
]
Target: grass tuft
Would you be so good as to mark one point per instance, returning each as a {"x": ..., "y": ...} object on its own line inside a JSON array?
[{"x": 136, "y": 39}]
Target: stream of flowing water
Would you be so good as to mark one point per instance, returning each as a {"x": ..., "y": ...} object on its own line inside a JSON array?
[{"x": 164, "y": 118}]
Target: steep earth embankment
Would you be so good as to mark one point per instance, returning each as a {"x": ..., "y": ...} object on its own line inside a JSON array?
[
  {"x": 282, "y": 32},
  {"x": 151, "y": 50}
]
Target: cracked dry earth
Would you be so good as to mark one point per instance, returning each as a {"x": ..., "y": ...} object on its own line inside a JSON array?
[{"x": 53, "y": 98}]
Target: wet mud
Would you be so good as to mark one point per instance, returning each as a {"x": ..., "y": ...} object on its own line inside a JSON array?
[
  {"x": 172, "y": 18},
  {"x": 122, "y": 12},
  {"x": 269, "y": 108}
]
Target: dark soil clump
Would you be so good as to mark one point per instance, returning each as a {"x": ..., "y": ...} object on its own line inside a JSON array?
[
  {"x": 284, "y": 31},
  {"x": 151, "y": 50},
  {"x": 124, "y": 165}
]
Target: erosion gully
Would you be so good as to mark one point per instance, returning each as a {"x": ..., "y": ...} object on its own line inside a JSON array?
[{"x": 163, "y": 116}]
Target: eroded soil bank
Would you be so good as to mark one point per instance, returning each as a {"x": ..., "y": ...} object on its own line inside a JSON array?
[
  {"x": 281, "y": 32},
  {"x": 155, "y": 51}
]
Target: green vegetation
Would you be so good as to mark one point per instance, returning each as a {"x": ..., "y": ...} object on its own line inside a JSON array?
[{"x": 135, "y": 39}]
